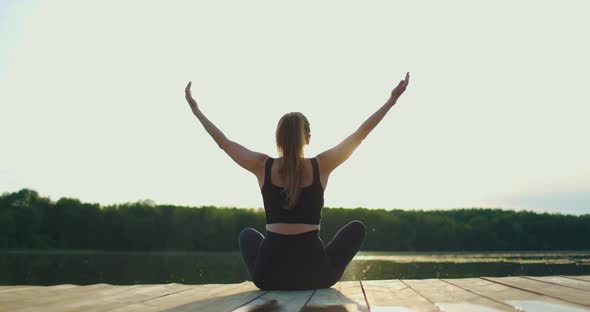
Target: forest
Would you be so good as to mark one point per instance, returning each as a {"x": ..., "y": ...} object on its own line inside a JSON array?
[{"x": 30, "y": 221}]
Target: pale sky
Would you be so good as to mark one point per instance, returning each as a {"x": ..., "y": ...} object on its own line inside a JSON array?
[{"x": 496, "y": 113}]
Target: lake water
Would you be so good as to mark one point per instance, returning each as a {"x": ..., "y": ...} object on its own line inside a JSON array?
[{"x": 125, "y": 268}]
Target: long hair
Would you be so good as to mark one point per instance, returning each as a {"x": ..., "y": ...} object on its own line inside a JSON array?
[{"x": 291, "y": 138}]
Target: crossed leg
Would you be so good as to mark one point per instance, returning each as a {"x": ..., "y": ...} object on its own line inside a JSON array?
[
  {"x": 249, "y": 242},
  {"x": 345, "y": 244},
  {"x": 340, "y": 250}
]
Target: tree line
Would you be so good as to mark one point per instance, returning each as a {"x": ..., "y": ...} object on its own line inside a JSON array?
[{"x": 28, "y": 220}]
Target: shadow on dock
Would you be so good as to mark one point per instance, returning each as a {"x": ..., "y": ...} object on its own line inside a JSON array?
[{"x": 259, "y": 304}]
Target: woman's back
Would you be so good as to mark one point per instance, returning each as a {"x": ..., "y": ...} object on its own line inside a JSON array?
[
  {"x": 310, "y": 202},
  {"x": 278, "y": 180}
]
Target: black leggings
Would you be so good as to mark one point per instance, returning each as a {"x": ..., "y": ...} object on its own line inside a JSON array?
[{"x": 299, "y": 261}]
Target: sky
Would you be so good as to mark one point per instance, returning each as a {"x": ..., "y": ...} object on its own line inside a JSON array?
[{"x": 496, "y": 113}]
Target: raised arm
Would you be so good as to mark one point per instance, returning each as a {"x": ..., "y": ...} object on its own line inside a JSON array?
[
  {"x": 247, "y": 159},
  {"x": 335, "y": 156}
]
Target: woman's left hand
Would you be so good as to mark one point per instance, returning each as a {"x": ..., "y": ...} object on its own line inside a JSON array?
[
  {"x": 400, "y": 88},
  {"x": 189, "y": 98}
]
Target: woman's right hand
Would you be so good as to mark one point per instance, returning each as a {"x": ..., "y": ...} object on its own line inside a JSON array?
[
  {"x": 400, "y": 88},
  {"x": 189, "y": 98}
]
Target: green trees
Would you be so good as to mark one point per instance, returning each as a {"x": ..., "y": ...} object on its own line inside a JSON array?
[{"x": 28, "y": 220}]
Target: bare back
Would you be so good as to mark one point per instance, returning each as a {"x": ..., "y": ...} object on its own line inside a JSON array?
[{"x": 307, "y": 178}]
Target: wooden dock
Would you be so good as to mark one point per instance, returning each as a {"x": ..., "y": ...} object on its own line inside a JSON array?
[{"x": 486, "y": 294}]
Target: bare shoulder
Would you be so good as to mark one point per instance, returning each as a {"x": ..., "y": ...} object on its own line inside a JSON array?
[
  {"x": 260, "y": 168},
  {"x": 261, "y": 161},
  {"x": 321, "y": 161},
  {"x": 324, "y": 174}
]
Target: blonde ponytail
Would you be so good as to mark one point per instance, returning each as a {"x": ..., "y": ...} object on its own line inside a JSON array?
[{"x": 292, "y": 130}]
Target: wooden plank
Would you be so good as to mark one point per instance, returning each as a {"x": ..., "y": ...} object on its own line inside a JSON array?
[
  {"x": 17, "y": 288},
  {"x": 113, "y": 297},
  {"x": 63, "y": 286},
  {"x": 197, "y": 292},
  {"x": 448, "y": 297},
  {"x": 519, "y": 299},
  {"x": 41, "y": 294},
  {"x": 550, "y": 293},
  {"x": 563, "y": 281},
  {"x": 228, "y": 300},
  {"x": 60, "y": 300},
  {"x": 393, "y": 295},
  {"x": 210, "y": 297},
  {"x": 286, "y": 300},
  {"x": 342, "y": 296},
  {"x": 579, "y": 277},
  {"x": 91, "y": 299},
  {"x": 542, "y": 288},
  {"x": 11, "y": 287},
  {"x": 38, "y": 295}
]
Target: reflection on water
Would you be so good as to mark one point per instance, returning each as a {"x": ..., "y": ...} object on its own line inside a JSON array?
[
  {"x": 388, "y": 265},
  {"x": 125, "y": 268},
  {"x": 577, "y": 257}
]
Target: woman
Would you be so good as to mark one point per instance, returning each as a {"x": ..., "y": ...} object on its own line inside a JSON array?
[{"x": 292, "y": 255}]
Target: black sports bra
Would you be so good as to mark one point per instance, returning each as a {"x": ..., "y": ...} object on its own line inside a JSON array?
[{"x": 309, "y": 205}]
